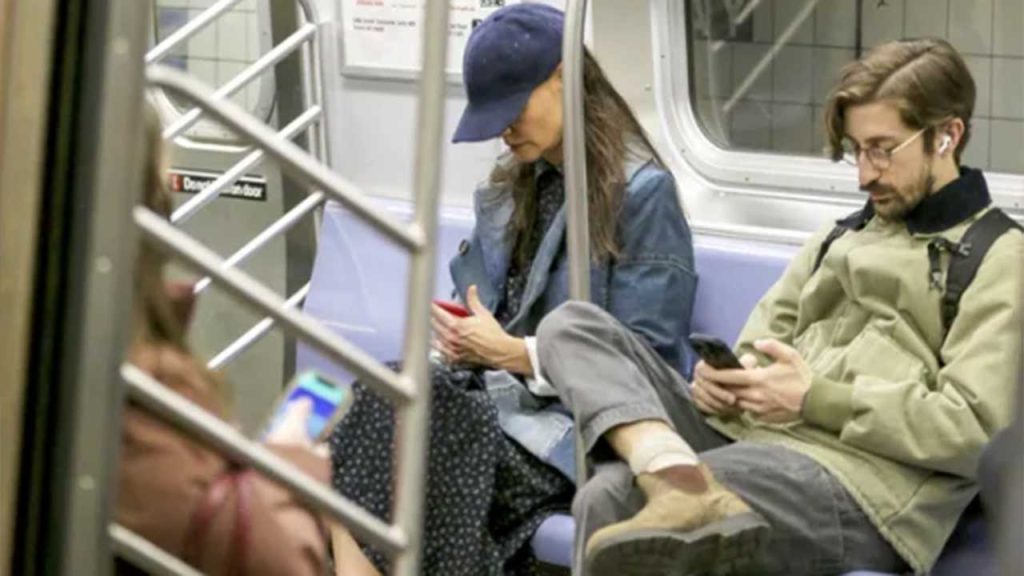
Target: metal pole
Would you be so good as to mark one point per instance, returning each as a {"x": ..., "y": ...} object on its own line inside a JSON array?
[
  {"x": 575, "y": 152},
  {"x": 415, "y": 417},
  {"x": 144, "y": 554},
  {"x": 575, "y": 170},
  {"x": 156, "y": 398},
  {"x": 374, "y": 374},
  {"x": 291, "y": 158},
  {"x": 108, "y": 160}
]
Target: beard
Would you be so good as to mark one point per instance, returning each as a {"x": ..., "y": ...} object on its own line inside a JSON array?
[{"x": 894, "y": 203}]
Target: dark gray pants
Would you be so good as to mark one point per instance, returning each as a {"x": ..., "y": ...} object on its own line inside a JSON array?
[{"x": 608, "y": 376}]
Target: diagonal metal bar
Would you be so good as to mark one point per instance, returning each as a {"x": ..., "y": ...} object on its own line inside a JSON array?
[
  {"x": 255, "y": 333},
  {"x": 280, "y": 226},
  {"x": 292, "y": 159},
  {"x": 374, "y": 374},
  {"x": 253, "y": 159},
  {"x": 144, "y": 554},
  {"x": 190, "y": 29},
  {"x": 169, "y": 406},
  {"x": 806, "y": 12},
  {"x": 278, "y": 53}
]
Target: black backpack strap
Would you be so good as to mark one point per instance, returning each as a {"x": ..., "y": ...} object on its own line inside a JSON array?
[
  {"x": 833, "y": 235},
  {"x": 854, "y": 221},
  {"x": 964, "y": 263}
]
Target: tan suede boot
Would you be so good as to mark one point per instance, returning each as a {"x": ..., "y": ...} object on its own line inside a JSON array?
[{"x": 679, "y": 533}]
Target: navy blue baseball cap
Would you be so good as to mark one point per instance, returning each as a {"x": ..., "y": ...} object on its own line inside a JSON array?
[{"x": 513, "y": 51}]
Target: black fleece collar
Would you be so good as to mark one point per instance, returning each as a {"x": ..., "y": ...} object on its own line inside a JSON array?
[{"x": 954, "y": 203}]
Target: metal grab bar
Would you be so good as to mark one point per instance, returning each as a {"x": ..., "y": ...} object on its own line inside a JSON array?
[
  {"x": 293, "y": 160},
  {"x": 280, "y": 226},
  {"x": 253, "y": 335},
  {"x": 183, "y": 414},
  {"x": 414, "y": 419},
  {"x": 375, "y": 375},
  {"x": 278, "y": 53},
  {"x": 158, "y": 52},
  {"x": 146, "y": 555},
  {"x": 255, "y": 158},
  {"x": 575, "y": 167}
]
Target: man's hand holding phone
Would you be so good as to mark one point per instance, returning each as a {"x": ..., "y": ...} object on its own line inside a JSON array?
[
  {"x": 772, "y": 393},
  {"x": 709, "y": 394}
]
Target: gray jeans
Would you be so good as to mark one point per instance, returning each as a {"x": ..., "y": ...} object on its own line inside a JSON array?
[{"x": 608, "y": 376}]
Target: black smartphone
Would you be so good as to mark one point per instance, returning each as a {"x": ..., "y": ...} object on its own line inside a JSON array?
[{"x": 716, "y": 353}]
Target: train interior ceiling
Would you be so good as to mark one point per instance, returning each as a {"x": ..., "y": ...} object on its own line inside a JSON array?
[{"x": 731, "y": 92}]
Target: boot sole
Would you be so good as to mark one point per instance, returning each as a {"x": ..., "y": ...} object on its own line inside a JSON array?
[{"x": 722, "y": 548}]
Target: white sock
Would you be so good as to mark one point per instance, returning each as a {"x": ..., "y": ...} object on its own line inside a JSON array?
[{"x": 658, "y": 451}]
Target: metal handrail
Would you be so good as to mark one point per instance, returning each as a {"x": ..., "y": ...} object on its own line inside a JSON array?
[
  {"x": 575, "y": 169},
  {"x": 415, "y": 418},
  {"x": 175, "y": 409},
  {"x": 575, "y": 152},
  {"x": 255, "y": 333},
  {"x": 251, "y": 72},
  {"x": 292, "y": 159},
  {"x": 146, "y": 555},
  {"x": 190, "y": 29},
  {"x": 410, "y": 389},
  {"x": 250, "y": 161},
  {"x": 377, "y": 376},
  {"x": 278, "y": 227}
]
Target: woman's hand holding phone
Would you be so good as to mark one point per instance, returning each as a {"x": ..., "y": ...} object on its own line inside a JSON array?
[{"x": 478, "y": 339}]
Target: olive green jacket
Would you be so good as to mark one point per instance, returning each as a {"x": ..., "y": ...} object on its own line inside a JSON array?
[{"x": 896, "y": 412}]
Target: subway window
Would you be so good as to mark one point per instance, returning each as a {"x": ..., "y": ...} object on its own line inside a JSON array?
[
  {"x": 219, "y": 52},
  {"x": 760, "y": 70}
]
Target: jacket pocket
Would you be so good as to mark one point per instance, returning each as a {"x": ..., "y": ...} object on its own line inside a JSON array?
[{"x": 875, "y": 354}]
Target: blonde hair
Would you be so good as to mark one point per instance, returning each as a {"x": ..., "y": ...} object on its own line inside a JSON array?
[{"x": 927, "y": 80}]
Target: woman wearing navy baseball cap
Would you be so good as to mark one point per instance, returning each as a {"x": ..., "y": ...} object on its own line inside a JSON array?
[{"x": 501, "y": 445}]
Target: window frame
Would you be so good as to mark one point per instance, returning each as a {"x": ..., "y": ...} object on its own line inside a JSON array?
[
  {"x": 763, "y": 174},
  {"x": 206, "y": 134}
]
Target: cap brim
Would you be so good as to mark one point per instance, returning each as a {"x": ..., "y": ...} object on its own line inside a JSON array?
[{"x": 486, "y": 121}]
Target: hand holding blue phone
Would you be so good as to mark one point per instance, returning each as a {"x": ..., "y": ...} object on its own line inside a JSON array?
[{"x": 309, "y": 409}]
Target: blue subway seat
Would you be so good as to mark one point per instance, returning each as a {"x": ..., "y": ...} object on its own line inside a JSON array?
[{"x": 358, "y": 289}]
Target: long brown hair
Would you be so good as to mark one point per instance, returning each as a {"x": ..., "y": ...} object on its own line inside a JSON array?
[
  {"x": 156, "y": 321},
  {"x": 612, "y": 134},
  {"x": 927, "y": 79}
]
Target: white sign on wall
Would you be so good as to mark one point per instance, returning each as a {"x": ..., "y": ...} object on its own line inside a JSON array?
[{"x": 382, "y": 38}]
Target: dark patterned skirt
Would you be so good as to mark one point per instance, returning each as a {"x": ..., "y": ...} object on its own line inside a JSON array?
[{"x": 486, "y": 495}]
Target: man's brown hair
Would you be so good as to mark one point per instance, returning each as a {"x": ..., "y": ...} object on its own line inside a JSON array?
[{"x": 926, "y": 79}]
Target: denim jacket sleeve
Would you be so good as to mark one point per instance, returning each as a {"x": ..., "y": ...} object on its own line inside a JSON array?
[{"x": 653, "y": 282}]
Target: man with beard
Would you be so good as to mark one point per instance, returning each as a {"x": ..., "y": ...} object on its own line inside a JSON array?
[{"x": 875, "y": 372}]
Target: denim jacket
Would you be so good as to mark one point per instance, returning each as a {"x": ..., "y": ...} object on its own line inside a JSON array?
[{"x": 649, "y": 287}]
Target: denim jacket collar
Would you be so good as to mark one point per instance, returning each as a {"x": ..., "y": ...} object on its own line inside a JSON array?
[{"x": 493, "y": 207}]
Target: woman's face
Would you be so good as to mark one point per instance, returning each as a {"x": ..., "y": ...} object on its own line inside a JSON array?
[{"x": 537, "y": 133}]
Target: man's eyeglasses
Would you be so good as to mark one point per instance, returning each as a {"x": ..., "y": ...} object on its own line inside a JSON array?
[{"x": 880, "y": 158}]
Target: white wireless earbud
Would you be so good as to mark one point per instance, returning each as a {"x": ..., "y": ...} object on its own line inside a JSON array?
[{"x": 946, "y": 141}]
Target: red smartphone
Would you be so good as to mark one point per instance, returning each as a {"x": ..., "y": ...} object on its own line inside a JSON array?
[{"x": 457, "y": 310}]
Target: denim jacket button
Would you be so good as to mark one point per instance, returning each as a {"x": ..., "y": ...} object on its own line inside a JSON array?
[{"x": 463, "y": 247}]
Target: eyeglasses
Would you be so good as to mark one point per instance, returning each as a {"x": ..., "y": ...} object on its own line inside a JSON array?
[{"x": 880, "y": 158}]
